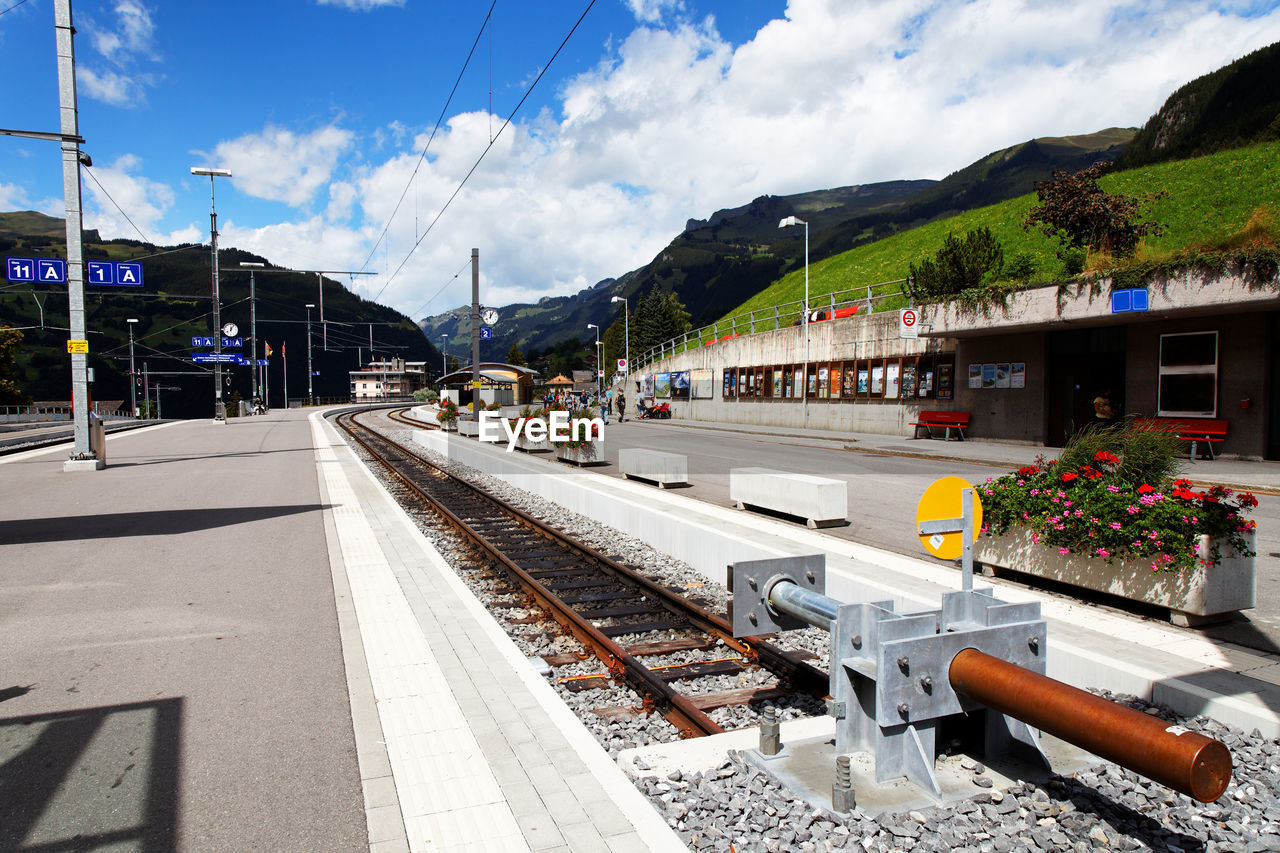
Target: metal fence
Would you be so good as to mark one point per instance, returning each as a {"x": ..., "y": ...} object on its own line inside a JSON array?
[{"x": 776, "y": 317}]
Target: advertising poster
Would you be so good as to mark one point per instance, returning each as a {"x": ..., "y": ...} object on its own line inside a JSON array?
[
  {"x": 909, "y": 380},
  {"x": 1018, "y": 374},
  {"x": 1002, "y": 374},
  {"x": 662, "y": 384},
  {"x": 877, "y": 380},
  {"x": 864, "y": 381},
  {"x": 726, "y": 390},
  {"x": 702, "y": 383},
  {"x": 988, "y": 376},
  {"x": 975, "y": 376},
  {"x": 646, "y": 385},
  {"x": 777, "y": 383},
  {"x": 835, "y": 382},
  {"x": 822, "y": 381},
  {"x": 926, "y": 383},
  {"x": 850, "y": 382},
  {"x": 798, "y": 376},
  {"x": 680, "y": 385},
  {"x": 945, "y": 381},
  {"x": 787, "y": 379},
  {"x": 891, "y": 381}
]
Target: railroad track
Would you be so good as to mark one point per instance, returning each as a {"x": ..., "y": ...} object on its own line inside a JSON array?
[{"x": 619, "y": 614}]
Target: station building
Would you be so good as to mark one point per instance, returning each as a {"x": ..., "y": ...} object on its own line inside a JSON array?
[
  {"x": 391, "y": 379},
  {"x": 506, "y": 384},
  {"x": 1192, "y": 345}
]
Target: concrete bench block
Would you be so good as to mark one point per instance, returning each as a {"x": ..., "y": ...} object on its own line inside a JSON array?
[
  {"x": 820, "y": 501},
  {"x": 654, "y": 465}
]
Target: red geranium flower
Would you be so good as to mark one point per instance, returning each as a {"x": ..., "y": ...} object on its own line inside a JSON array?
[
  {"x": 1246, "y": 499},
  {"x": 1145, "y": 489},
  {"x": 1105, "y": 457},
  {"x": 1069, "y": 476},
  {"x": 1028, "y": 471}
]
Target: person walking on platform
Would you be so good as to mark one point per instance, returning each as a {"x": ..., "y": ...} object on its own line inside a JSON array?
[
  {"x": 622, "y": 406},
  {"x": 605, "y": 403}
]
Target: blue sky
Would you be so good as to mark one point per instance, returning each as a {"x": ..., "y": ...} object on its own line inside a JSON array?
[{"x": 656, "y": 111}]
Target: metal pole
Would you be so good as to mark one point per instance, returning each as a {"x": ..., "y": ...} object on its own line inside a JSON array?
[
  {"x": 255, "y": 373},
  {"x": 219, "y": 413},
  {"x": 311, "y": 397},
  {"x": 805, "y": 405},
  {"x": 133, "y": 376},
  {"x": 146, "y": 390},
  {"x": 284, "y": 366},
  {"x": 324, "y": 329},
  {"x": 475, "y": 331},
  {"x": 70, "y": 127},
  {"x": 444, "y": 359},
  {"x": 1198, "y": 766}
]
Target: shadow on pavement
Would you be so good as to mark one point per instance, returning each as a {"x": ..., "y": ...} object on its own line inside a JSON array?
[
  {"x": 91, "y": 778},
  {"x": 165, "y": 522}
]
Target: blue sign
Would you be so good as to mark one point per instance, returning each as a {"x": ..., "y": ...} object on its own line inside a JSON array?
[
  {"x": 114, "y": 273},
  {"x": 485, "y": 333},
  {"x": 201, "y": 341},
  {"x": 232, "y": 343},
  {"x": 20, "y": 269},
  {"x": 262, "y": 362},
  {"x": 1129, "y": 299},
  {"x": 217, "y": 358},
  {"x": 51, "y": 270}
]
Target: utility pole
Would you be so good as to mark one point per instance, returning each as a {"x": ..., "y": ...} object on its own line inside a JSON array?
[
  {"x": 133, "y": 376},
  {"x": 82, "y": 457},
  {"x": 254, "y": 370},
  {"x": 311, "y": 396},
  {"x": 475, "y": 331}
]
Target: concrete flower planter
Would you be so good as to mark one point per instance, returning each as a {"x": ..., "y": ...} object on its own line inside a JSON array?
[
  {"x": 528, "y": 446},
  {"x": 1193, "y": 597},
  {"x": 581, "y": 455}
]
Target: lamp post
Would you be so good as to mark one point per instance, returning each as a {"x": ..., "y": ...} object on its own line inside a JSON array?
[
  {"x": 311, "y": 397},
  {"x": 253, "y": 331},
  {"x": 626, "y": 309},
  {"x": 804, "y": 385},
  {"x": 444, "y": 359},
  {"x": 219, "y": 413},
  {"x": 599, "y": 366},
  {"x": 133, "y": 377}
]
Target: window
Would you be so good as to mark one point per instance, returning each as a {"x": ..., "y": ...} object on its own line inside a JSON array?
[{"x": 1188, "y": 375}]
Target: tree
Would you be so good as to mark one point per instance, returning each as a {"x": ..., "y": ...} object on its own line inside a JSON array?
[
  {"x": 10, "y": 392},
  {"x": 1081, "y": 214},
  {"x": 514, "y": 356},
  {"x": 658, "y": 318},
  {"x": 961, "y": 264}
]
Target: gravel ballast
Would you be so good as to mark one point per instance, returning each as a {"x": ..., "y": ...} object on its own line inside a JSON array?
[{"x": 734, "y": 806}]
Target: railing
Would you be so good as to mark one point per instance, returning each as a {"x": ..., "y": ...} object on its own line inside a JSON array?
[
  {"x": 775, "y": 317},
  {"x": 22, "y": 414}
]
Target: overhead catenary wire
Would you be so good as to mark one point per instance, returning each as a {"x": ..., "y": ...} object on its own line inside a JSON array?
[
  {"x": 94, "y": 177},
  {"x": 489, "y": 147},
  {"x": 421, "y": 157}
]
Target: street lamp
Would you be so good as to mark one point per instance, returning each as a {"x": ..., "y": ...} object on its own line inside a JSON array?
[
  {"x": 787, "y": 223},
  {"x": 253, "y": 331},
  {"x": 219, "y": 413},
  {"x": 626, "y": 313},
  {"x": 311, "y": 397},
  {"x": 599, "y": 366},
  {"x": 133, "y": 377}
]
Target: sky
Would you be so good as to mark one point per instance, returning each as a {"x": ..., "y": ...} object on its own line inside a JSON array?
[{"x": 568, "y": 140}]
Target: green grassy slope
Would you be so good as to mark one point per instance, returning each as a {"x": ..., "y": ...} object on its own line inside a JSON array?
[{"x": 1209, "y": 199}]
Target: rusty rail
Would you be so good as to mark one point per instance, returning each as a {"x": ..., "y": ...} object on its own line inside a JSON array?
[{"x": 1185, "y": 761}]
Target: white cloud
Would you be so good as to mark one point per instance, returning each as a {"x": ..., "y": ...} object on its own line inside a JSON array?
[
  {"x": 360, "y": 5},
  {"x": 118, "y": 196},
  {"x": 124, "y": 43},
  {"x": 678, "y": 122},
  {"x": 280, "y": 165},
  {"x": 13, "y": 197}
]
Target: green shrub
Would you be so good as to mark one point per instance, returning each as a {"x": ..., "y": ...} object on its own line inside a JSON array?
[{"x": 961, "y": 264}]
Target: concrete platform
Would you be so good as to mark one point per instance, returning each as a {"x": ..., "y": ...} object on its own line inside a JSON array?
[{"x": 232, "y": 638}]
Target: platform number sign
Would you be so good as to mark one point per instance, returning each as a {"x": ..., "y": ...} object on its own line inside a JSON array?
[
  {"x": 909, "y": 323},
  {"x": 114, "y": 273},
  {"x": 42, "y": 270}
]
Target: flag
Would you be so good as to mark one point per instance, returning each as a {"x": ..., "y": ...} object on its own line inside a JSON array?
[
  {"x": 268, "y": 346},
  {"x": 282, "y": 353}
]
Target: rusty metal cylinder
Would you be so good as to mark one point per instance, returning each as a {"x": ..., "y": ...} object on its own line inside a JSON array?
[{"x": 1196, "y": 765}]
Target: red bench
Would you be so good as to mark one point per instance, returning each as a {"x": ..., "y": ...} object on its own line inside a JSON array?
[
  {"x": 942, "y": 420},
  {"x": 1194, "y": 430}
]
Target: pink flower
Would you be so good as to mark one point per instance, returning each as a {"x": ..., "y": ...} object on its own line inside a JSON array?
[
  {"x": 1035, "y": 538},
  {"x": 1132, "y": 510},
  {"x": 1113, "y": 489},
  {"x": 1115, "y": 525},
  {"x": 1103, "y": 552},
  {"x": 1064, "y": 550}
]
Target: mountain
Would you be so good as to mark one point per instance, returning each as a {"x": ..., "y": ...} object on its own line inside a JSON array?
[
  {"x": 719, "y": 262},
  {"x": 1237, "y": 105},
  {"x": 175, "y": 305}
]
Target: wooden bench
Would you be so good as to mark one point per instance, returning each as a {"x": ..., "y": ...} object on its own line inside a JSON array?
[
  {"x": 820, "y": 501},
  {"x": 942, "y": 420},
  {"x": 1195, "y": 430}
]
